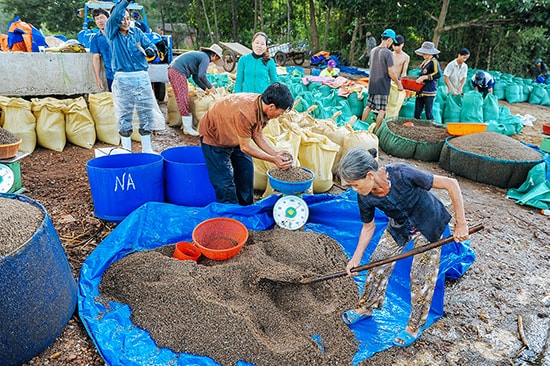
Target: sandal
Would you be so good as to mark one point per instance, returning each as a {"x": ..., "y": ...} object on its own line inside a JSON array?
[
  {"x": 407, "y": 338},
  {"x": 352, "y": 316}
]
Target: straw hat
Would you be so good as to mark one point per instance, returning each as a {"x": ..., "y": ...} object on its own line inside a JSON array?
[
  {"x": 214, "y": 48},
  {"x": 428, "y": 48}
]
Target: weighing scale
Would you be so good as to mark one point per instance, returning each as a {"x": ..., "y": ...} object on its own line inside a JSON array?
[
  {"x": 290, "y": 211},
  {"x": 10, "y": 174}
]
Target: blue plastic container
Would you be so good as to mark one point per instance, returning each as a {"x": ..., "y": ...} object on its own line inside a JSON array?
[
  {"x": 290, "y": 187},
  {"x": 37, "y": 293},
  {"x": 186, "y": 177},
  {"x": 123, "y": 182}
]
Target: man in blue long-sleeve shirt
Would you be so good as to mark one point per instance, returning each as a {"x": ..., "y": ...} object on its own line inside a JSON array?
[{"x": 130, "y": 49}]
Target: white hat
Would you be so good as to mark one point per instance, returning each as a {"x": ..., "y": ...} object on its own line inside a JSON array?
[
  {"x": 214, "y": 48},
  {"x": 428, "y": 48}
]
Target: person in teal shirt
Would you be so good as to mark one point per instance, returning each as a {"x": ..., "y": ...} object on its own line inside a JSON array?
[{"x": 257, "y": 70}]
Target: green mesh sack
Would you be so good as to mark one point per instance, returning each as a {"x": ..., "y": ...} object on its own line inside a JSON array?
[
  {"x": 514, "y": 93},
  {"x": 453, "y": 106},
  {"x": 525, "y": 91},
  {"x": 472, "y": 107},
  {"x": 325, "y": 90},
  {"x": 322, "y": 112},
  {"x": 219, "y": 80},
  {"x": 538, "y": 95},
  {"x": 414, "y": 72},
  {"x": 436, "y": 111},
  {"x": 345, "y": 116},
  {"x": 407, "y": 109},
  {"x": 508, "y": 125},
  {"x": 359, "y": 125},
  {"x": 441, "y": 95},
  {"x": 297, "y": 88},
  {"x": 314, "y": 85},
  {"x": 535, "y": 191},
  {"x": 356, "y": 105},
  {"x": 300, "y": 105},
  {"x": 500, "y": 90},
  {"x": 546, "y": 100},
  {"x": 490, "y": 108}
]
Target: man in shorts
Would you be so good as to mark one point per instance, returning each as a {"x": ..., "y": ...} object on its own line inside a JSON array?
[{"x": 381, "y": 75}]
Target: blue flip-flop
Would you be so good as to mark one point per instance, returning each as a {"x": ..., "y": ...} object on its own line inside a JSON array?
[
  {"x": 352, "y": 316},
  {"x": 407, "y": 338}
]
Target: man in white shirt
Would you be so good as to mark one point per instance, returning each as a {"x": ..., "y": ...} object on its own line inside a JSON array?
[{"x": 456, "y": 71}]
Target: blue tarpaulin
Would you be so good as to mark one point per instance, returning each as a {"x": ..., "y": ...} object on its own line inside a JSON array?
[{"x": 157, "y": 224}]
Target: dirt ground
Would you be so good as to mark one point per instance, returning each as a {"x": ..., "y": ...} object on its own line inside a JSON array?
[{"x": 497, "y": 314}]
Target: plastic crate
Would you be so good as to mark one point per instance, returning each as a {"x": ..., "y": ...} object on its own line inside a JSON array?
[{"x": 461, "y": 128}]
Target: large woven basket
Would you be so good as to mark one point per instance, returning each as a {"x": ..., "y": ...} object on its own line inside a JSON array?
[{"x": 9, "y": 150}]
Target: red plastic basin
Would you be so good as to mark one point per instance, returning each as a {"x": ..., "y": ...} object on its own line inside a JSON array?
[{"x": 220, "y": 238}]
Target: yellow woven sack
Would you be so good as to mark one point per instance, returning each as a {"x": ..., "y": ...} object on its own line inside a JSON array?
[
  {"x": 317, "y": 153},
  {"x": 50, "y": 123},
  {"x": 174, "y": 115},
  {"x": 79, "y": 123},
  {"x": 19, "y": 120},
  {"x": 395, "y": 101},
  {"x": 288, "y": 141},
  {"x": 357, "y": 138},
  {"x": 3, "y": 102},
  {"x": 103, "y": 113}
]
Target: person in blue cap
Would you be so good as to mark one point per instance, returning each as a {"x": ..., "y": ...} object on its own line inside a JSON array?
[
  {"x": 380, "y": 77},
  {"x": 540, "y": 72},
  {"x": 483, "y": 82}
]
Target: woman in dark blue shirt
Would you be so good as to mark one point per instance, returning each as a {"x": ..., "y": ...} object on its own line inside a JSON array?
[
  {"x": 430, "y": 72},
  {"x": 402, "y": 192}
]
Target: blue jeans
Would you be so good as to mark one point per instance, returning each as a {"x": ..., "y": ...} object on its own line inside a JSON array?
[{"x": 231, "y": 173}]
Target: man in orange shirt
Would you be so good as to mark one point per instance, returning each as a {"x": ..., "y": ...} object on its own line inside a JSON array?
[{"x": 227, "y": 132}]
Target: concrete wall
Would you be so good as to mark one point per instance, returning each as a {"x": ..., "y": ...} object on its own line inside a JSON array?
[{"x": 48, "y": 73}]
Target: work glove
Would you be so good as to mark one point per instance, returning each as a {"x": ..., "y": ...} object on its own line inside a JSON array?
[{"x": 149, "y": 52}]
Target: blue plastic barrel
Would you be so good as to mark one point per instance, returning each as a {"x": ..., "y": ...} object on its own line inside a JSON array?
[
  {"x": 123, "y": 182},
  {"x": 186, "y": 177},
  {"x": 37, "y": 293}
]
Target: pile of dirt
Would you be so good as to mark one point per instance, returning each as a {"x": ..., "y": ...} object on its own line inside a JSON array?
[
  {"x": 495, "y": 145},
  {"x": 251, "y": 307},
  {"x": 420, "y": 131},
  {"x": 18, "y": 223}
]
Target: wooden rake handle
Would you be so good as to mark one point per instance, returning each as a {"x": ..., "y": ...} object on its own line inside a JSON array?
[{"x": 407, "y": 254}]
